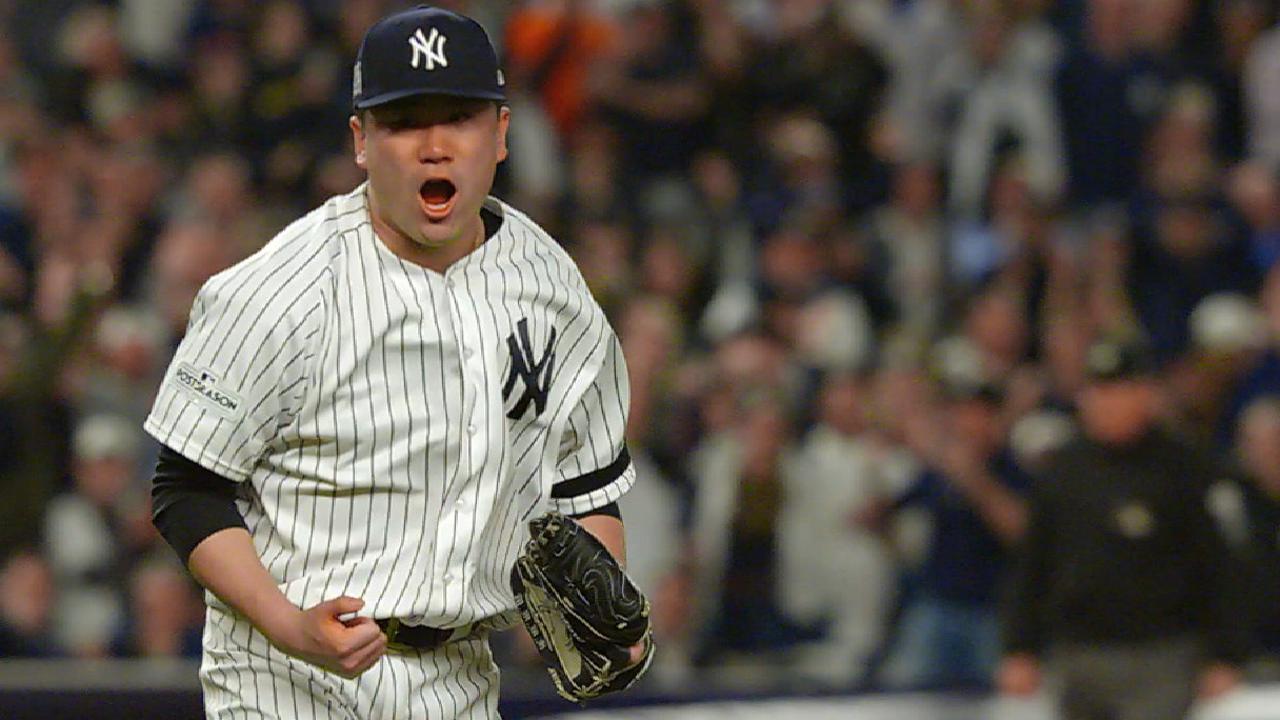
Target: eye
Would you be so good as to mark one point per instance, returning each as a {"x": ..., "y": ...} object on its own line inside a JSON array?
[
  {"x": 395, "y": 122},
  {"x": 460, "y": 116}
]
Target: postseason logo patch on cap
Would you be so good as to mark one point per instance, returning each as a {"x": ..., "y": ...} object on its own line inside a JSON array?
[{"x": 357, "y": 83}]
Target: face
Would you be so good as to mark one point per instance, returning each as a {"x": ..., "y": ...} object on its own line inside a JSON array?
[
  {"x": 842, "y": 405},
  {"x": 976, "y": 421},
  {"x": 1118, "y": 412},
  {"x": 431, "y": 162},
  {"x": 103, "y": 479},
  {"x": 1259, "y": 445}
]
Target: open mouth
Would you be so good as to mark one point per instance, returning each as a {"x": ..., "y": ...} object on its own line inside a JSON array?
[{"x": 437, "y": 198}]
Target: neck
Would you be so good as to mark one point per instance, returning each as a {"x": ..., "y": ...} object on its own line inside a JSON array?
[{"x": 433, "y": 258}]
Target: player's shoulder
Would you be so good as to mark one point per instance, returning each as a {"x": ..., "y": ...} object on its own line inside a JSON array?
[
  {"x": 296, "y": 263},
  {"x": 535, "y": 242}
]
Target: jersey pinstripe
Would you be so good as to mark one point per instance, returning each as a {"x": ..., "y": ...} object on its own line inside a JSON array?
[
  {"x": 392, "y": 427},
  {"x": 246, "y": 678}
]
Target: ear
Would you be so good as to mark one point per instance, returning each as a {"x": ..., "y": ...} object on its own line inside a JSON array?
[
  {"x": 357, "y": 138},
  {"x": 504, "y": 121}
]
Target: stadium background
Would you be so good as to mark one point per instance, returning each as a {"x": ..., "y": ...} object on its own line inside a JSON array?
[{"x": 805, "y": 218}]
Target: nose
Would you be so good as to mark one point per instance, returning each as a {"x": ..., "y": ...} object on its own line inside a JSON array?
[{"x": 435, "y": 147}]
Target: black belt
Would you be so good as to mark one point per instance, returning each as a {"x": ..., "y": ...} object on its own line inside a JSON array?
[{"x": 417, "y": 637}]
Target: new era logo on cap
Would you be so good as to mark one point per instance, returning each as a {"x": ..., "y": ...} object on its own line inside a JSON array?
[{"x": 425, "y": 51}]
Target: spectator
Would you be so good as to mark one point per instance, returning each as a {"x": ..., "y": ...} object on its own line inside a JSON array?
[
  {"x": 1106, "y": 98},
  {"x": 801, "y": 182},
  {"x": 1228, "y": 337},
  {"x": 1254, "y": 191},
  {"x": 1064, "y": 344},
  {"x": 1262, "y": 105},
  {"x": 220, "y": 92},
  {"x": 805, "y": 58},
  {"x": 908, "y": 258},
  {"x": 593, "y": 168},
  {"x": 727, "y": 228},
  {"x": 741, "y": 478},
  {"x": 1239, "y": 23},
  {"x": 841, "y": 573},
  {"x": 1002, "y": 85},
  {"x": 130, "y": 344},
  {"x": 1263, "y": 375},
  {"x": 552, "y": 46},
  {"x": 166, "y": 615},
  {"x": 916, "y": 40},
  {"x": 1183, "y": 251},
  {"x": 972, "y": 492},
  {"x": 1258, "y": 458},
  {"x": 827, "y": 327},
  {"x": 653, "y": 91},
  {"x": 996, "y": 325},
  {"x": 26, "y": 605},
  {"x": 187, "y": 254},
  {"x": 92, "y": 533},
  {"x": 218, "y": 190},
  {"x": 1124, "y": 583}
]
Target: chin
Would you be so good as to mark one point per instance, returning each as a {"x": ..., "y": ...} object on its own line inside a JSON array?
[{"x": 437, "y": 234}]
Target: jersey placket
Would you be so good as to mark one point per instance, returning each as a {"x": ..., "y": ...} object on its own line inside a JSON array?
[{"x": 458, "y": 522}]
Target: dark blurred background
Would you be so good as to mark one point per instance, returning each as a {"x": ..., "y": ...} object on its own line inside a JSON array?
[{"x": 809, "y": 221}]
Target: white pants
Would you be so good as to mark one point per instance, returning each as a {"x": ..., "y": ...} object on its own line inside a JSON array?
[{"x": 245, "y": 678}]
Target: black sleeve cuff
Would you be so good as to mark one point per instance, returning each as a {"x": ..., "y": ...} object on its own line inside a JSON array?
[
  {"x": 592, "y": 481},
  {"x": 190, "y": 502},
  {"x": 612, "y": 510}
]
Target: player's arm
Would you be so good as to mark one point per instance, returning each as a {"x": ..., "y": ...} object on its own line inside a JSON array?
[
  {"x": 595, "y": 466},
  {"x": 194, "y": 510},
  {"x": 606, "y": 525}
]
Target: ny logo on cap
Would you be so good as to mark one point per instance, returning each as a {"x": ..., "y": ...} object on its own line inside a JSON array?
[{"x": 428, "y": 49}]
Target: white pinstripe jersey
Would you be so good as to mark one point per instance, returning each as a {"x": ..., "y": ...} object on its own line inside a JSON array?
[{"x": 394, "y": 427}]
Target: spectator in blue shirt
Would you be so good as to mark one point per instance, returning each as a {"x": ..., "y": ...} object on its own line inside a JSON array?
[{"x": 971, "y": 491}]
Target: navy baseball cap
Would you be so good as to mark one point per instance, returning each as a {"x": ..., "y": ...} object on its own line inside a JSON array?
[{"x": 425, "y": 51}]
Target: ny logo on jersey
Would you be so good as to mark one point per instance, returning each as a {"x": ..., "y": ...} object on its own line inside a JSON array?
[
  {"x": 535, "y": 374},
  {"x": 428, "y": 50}
]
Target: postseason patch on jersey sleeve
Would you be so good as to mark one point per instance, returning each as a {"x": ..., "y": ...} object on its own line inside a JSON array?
[{"x": 203, "y": 387}]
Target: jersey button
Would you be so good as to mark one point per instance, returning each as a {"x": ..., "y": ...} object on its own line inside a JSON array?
[
  {"x": 468, "y": 353},
  {"x": 471, "y": 429}
]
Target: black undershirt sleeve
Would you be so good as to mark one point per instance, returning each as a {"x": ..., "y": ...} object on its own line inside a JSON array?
[
  {"x": 612, "y": 510},
  {"x": 190, "y": 502}
]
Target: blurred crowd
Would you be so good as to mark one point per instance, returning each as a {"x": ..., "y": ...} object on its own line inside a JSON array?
[{"x": 855, "y": 251}]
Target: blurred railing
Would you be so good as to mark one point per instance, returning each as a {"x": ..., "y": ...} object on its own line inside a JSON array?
[{"x": 169, "y": 690}]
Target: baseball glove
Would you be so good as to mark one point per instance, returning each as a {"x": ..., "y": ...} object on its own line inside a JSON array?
[{"x": 582, "y": 611}]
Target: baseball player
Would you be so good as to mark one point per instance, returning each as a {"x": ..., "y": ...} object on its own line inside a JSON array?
[{"x": 363, "y": 416}]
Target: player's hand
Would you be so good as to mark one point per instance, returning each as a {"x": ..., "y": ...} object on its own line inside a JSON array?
[
  {"x": 637, "y": 652},
  {"x": 318, "y": 636},
  {"x": 1018, "y": 675},
  {"x": 1217, "y": 680}
]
